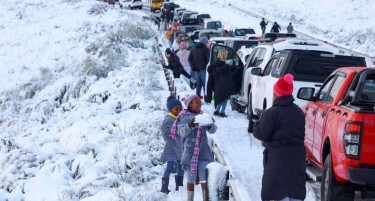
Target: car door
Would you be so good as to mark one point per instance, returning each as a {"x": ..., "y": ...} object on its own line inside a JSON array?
[
  {"x": 233, "y": 60},
  {"x": 322, "y": 117},
  {"x": 258, "y": 88},
  {"x": 311, "y": 112}
]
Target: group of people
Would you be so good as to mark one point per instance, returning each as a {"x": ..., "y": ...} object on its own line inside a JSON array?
[
  {"x": 275, "y": 27},
  {"x": 280, "y": 128},
  {"x": 186, "y": 144}
]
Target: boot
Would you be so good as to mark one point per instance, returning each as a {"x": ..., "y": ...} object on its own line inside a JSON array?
[
  {"x": 164, "y": 185},
  {"x": 204, "y": 195},
  {"x": 181, "y": 180},
  {"x": 176, "y": 179},
  {"x": 190, "y": 195}
]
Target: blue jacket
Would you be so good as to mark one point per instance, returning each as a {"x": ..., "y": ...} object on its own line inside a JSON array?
[
  {"x": 173, "y": 147},
  {"x": 189, "y": 135}
]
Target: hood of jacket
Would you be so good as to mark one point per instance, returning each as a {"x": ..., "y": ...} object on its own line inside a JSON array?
[
  {"x": 283, "y": 100},
  {"x": 200, "y": 45}
]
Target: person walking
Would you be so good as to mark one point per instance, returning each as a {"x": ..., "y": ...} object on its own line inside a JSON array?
[
  {"x": 111, "y": 2},
  {"x": 275, "y": 28},
  {"x": 198, "y": 60},
  {"x": 289, "y": 28},
  {"x": 172, "y": 152},
  {"x": 281, "y": 129},
  {"x": 263, "y": 25},
  {"x": 196, "y": 151},
  {"x": 175, "y": 65},
  {"x": 223, "y": 84}
]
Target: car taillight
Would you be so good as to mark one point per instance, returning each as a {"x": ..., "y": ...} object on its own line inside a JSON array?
[{"x": 352, "y": 139}]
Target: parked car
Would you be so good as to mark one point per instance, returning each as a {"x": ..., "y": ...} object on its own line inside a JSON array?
[
  {"x": 269, "y": 37},
  {"x": 244, "y": 32},
  {"x": 209, "y": 33},
  {"x": 259, "y": 58},
  {"x": 237, "y": 43},
  {"x": 203, "y": 17},
  {"x": 309, "y": 68},
  {"x": 155, "y": 5},
  {"x": 131, "y": 4},
  {"x": 340, "y": 134},
  {"x": 213, "y": 24}
]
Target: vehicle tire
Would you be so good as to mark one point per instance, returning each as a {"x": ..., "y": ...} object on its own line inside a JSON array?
[
  {"x": 221, "y": 190},
  {"x": 250, "y": 114},
  {"x": 330, "y": 189}
]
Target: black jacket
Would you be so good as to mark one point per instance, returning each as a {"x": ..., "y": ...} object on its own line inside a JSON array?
[
  {"x": 282, "y": 131},
  {"x": 223, "y": 84},
  {"x": 176, "y": 67},
  {"x": 199, "y": 56}
]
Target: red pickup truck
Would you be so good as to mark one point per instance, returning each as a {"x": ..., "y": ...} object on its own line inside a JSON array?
[{"x": 340, "y": 133}]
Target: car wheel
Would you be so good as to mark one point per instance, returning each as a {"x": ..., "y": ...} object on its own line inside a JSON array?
[
  {"x": 250, "y": 114},
  {"x": 330, "y": 189}
]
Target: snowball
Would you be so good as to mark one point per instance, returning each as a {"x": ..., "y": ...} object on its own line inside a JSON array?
[{"x": 203, "y": 119}]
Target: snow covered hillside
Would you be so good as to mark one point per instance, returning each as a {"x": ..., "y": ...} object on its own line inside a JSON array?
[{"x": 82, "y": 96}]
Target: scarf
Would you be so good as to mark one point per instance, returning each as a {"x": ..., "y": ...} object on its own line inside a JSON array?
[
  {"x": 175, "y": 123},
  {"x": 194, "y": 159}
]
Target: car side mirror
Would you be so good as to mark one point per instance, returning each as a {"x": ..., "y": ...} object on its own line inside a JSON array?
[
  {"x": 256, "y": 71},
  {"x": 306, "y": 93}
]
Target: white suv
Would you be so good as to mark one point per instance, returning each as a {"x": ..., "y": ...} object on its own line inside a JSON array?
[{"x": 131, "y": 4}]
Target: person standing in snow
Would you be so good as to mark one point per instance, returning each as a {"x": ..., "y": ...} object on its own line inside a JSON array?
[
  {"x": 289, "y": 28},
  {"x": 198, "y": 60},
  {"x": 263, "y": 25},
  {"x": 183, "y": 55},
  {"x": 196, "y": 152},
  {"x": 175, "y": 65},
  {"x": 281, "y": 129},
  {"x": 275, "y": 28},
  {"x": 223, "y": 84},
  {"x": 173, "y": 146}
]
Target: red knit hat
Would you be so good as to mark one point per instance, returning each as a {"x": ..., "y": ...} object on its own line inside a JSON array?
[{"x": 284, "y": 86}]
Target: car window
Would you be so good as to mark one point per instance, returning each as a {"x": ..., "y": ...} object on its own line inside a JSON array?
[
  {"x": 335, "y": 89},
  {"x": 261, "y": 56},
  {"x": 272, "y": 63},
  {"x": 368, "y": 92},
  {"x": 254, "y": 57},
  {"x": 277, "y": 69},
  {"x": 324, "y": 90}
]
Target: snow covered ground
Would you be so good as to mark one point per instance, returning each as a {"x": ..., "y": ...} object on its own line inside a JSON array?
[{"x": 82, "y": 96}]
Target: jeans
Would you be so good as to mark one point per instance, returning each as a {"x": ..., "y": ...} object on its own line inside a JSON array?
[
  {"x": 201, "y": 172},
  {"x": 221, "y": 106},
  {"x": 200, "y": 77},
  {"x": 287, "y": 199},
  {"x": 169, "y": 168}
]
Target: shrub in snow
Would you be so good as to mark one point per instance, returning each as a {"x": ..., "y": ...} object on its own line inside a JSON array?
[{"x": 98, "y": 9}]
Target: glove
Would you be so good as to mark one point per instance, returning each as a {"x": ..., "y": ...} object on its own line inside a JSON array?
[{"x": 192, "y": 124}]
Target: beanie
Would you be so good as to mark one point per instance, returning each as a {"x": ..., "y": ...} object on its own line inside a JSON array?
[
  {"x": 168, "y": 51},
  {"x": 189, "y": 99},
  {"x": 172, "y": 102},
  {"x": 284, "y": 86},
  {"x": 203, "y": 40}
]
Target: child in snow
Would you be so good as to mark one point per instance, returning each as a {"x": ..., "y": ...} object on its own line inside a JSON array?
[
  {"x": 173, "y": 147},
  {"x": 196, "y": 152}
]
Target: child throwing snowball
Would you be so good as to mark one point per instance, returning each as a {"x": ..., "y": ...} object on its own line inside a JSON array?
[{"x": 196, "y": 152}]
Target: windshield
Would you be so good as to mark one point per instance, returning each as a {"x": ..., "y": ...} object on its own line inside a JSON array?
[
  {"x": 243, "y": 32},
  {"x": 248, "y": 44},
  {"x": 214, "y": 25},
  {"x": 204, "y": 16}
]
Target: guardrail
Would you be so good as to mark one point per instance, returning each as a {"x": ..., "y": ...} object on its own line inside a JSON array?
[{"x": 370, "y": 60}]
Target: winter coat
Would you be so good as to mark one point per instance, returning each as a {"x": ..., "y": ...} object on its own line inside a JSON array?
[
  {"x": 199, "y": 57},
  {"x": 275, "y": 28},
  {"x": 189, "y": 136},
  {"x": 176, "y": 67},
  {"x": 183, "y": 55},
  {"x": 290, "y": 28},
  {"x": 282, "y": 131},
  {"x": 223, "y": 84},
  {"x": 263, "y": 23},
  {"x": 173, "y": 147}
]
